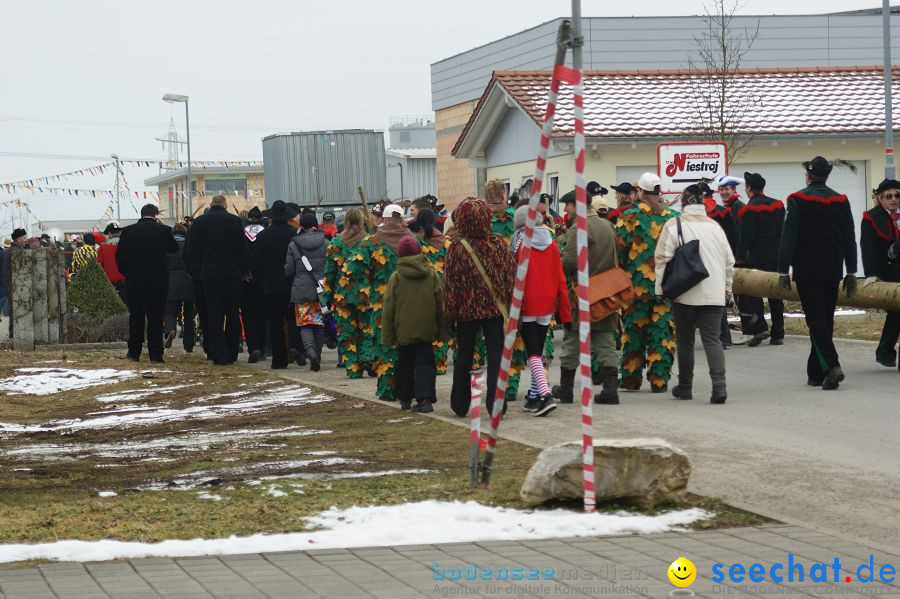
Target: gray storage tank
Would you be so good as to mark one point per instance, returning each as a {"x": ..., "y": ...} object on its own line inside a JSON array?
[{"x": 324, "y": 166}]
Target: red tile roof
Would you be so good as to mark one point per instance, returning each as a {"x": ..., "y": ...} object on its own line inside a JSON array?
[{"x": 655, "y": 104}]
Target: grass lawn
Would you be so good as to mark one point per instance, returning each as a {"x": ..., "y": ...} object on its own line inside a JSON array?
[{"x": 193, "y": 450}]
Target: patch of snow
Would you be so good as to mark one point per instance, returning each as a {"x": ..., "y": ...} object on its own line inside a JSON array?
[
  {"x": 289, "y": 396},
  {"x": 410, "y": 523},
  {"x": 274, "y": 491},
  {"x": 47, "y": 381},
  {"x": 321, "y": 452},
  {"x": 22, "y": 470},
  {"x": 398, "y": 420},
  {"x": 142, "y": 393},
  {"x": 839, "y": 312},
  {"x": 209, "y": 496},
  {"x": 107, "y": 494}
]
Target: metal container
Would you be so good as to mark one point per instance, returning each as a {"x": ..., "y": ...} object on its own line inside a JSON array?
[{"x": 324, "y": 167}]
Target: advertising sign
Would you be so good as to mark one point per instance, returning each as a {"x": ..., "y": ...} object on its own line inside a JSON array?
[{"x": 683, "y": 164}]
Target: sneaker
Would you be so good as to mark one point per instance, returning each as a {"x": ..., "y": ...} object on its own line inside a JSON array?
[
  {"x": 532, "y": 403},
  {"x": 682, "y": 392},
  {"x": 546, "y": 406},
  {"x": 758, "y": 338},
  {"x": 743, "y": 340}
]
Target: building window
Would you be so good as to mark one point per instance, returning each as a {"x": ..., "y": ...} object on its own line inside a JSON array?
[
  {"x": 403, "y": 137},
  {"x": 553, "y": 187},
  {"x": 506, "y": 187},
  {"x": 226, "y": 186}
]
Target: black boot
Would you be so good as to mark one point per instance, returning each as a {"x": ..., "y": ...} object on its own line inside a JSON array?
[
  {"x": 718, "y": 394},
  {"x": 564, "y": 390},
  {"x": 610, "y": 393}
]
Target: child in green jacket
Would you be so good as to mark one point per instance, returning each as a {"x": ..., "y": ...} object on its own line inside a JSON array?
[{"x": 412, "y": 320}]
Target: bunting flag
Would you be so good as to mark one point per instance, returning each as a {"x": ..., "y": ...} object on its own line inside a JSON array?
[
  {"x": 10, "y": 188},
  {"x": 95, "y": 170}
]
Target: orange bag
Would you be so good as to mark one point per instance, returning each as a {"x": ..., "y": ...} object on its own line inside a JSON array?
[{"x": 608, "y": 292}]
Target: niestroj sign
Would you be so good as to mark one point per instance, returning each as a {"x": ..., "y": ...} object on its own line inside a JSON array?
[{"x": 682, "y": 164}]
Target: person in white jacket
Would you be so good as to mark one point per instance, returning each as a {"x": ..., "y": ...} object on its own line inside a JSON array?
[{"x": 701, "y": 306}]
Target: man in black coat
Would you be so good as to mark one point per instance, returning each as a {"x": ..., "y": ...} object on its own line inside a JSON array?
[
  {"x": 816, "y": 242},
  {"x": 253, "y": 306},
  {"x": 217, "y": 249},
  {"x": 141, "y": 256},
  {"x": 879, "y": 236},
  {"x": 267, "y": 265},
  {"x": 761, "y": 222}
]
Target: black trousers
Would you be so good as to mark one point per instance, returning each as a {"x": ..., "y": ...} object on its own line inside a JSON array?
[
  {"x": 467, "y": 330},
  {"x": 890, "y": 334},
  {"x": 753, "y": 316},
  {"x": 280, "y": 314},
  {"x": 414, "y": 373},
  {"x": 223, "y": 299},
  {"x": 200, "y": 306},
  {"x": 185, "y": 308},
  {"x": 819, "y": 299},
  {"x": 253, "y": 315},
  {"x": 534, "y": 336},
  {"x": 146, "y": 310}
]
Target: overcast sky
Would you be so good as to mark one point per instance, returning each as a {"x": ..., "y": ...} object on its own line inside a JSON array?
[{"x": 86, "y": 78}]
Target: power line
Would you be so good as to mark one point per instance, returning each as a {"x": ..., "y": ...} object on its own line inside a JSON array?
[{"x": 106, "y": 158}]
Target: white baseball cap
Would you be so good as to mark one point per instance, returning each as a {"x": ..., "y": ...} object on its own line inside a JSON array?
[
  {"x": 391, "y": 210},
  {"x": 649, "y": 181}
]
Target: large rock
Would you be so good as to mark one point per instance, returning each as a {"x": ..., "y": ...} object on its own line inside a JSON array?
[{"x": 646, "y": 472}]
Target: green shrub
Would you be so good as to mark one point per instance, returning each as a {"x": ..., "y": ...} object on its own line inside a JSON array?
[
  {"x": 91, "y": 294},
  {"x": 82, "y": 328}
]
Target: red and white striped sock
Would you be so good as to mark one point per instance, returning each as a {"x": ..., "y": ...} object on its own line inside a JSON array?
[{"x": 538, "y": 375}]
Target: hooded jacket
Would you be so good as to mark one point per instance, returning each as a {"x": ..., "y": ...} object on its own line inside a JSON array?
[
  {"x": 106, "y": 257},
  {"x": 312, "y": 244},
  {"x": 545, "y": 283},
  {"x": 466, "y": 295},
  {"x": 413, "y": 304}
]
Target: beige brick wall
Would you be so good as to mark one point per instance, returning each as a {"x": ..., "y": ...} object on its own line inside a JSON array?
[
  {"x": 455, "y": 180},
  {"x": 255, "y": 188}
]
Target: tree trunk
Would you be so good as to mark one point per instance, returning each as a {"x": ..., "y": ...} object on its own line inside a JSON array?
[{"x": 756, "y": 283}]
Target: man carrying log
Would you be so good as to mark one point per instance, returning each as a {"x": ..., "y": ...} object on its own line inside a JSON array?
[{"x": 817, "y": 240}]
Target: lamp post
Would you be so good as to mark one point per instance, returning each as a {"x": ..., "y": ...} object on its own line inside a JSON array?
[
  {"x": 315, "y": 171},
  {"x": 888, "y": 82},
  {"x": 118, "y": 197},
  {"x": 400, "y": 164},
  {"x": 172, "y": 99}
]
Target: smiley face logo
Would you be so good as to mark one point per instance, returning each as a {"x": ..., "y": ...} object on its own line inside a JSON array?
[{"x": 682, "y": 572}]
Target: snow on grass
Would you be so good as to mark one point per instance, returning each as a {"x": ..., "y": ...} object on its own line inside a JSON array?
[
  {"x": 209, "y": 496},
  {"x": 141, "y": 393},
  {"x": 107, "y": 494},
  {"x": 398, "y": 420},
  {"x": 288, "y": 396},
  {"x": 193, "y": 442},
  {"x": 47, "y": 381},
  {"x": 274, "y": 491},
  {"x": 426, "y": 522},
  {"x": 839, "y": 312}
]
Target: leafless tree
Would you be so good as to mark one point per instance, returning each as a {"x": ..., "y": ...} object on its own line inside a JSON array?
[{"x": 721, "y": 105}]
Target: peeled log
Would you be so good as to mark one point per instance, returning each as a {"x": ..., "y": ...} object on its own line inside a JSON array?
[{"x": 757, "y": 283}]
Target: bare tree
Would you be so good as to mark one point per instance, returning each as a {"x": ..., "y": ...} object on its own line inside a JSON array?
[{"x": 722, "y": 106}]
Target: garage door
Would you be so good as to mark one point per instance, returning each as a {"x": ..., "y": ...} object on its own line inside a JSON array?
[{"x": 782, "y": 179}]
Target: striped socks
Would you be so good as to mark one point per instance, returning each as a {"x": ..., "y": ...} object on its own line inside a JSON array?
[{"x": 538, "y": 375}]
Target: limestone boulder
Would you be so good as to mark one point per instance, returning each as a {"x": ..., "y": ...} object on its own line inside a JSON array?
[{"x": 646, "y": 472}]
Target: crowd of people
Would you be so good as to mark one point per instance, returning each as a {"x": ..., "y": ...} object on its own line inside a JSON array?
[{"x": 395, "y": 288}]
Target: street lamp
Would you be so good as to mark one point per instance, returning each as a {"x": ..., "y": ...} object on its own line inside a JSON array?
[{"x": 172, "y": 99}]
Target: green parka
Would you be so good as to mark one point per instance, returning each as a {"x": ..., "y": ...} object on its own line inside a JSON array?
[{"x": 413, "y": 304}]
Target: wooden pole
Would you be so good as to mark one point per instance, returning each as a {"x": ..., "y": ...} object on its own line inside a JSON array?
[{"x": 756, "y": 283}]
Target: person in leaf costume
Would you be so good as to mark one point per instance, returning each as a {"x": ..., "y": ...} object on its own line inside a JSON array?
[
  {"x": 503, "y": 224},
  {"x": 378, "y": 256},
  {"x": 434, "y": 246},
  {"x": 648, "y": 339},
  {"x": 343, "y": 278}
]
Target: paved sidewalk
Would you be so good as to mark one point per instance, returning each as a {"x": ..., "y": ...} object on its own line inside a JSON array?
[{"x": 626, "y": 567}]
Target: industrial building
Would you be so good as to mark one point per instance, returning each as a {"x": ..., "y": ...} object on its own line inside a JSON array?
[
  {"x": 501, "y": 139},
  {"x": 411, "y": 158}
]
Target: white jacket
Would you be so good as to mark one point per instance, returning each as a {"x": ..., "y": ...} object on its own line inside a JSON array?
[{"x": 714, "y": 251}]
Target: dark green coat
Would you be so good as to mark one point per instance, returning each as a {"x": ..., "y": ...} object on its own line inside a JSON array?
[
  {"x": 601, "y": 257},
  {"x": 413, "y": 304}
]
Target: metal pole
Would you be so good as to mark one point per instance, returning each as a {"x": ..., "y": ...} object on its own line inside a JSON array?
[
  {"x": 402, "y": 195},
  {"x": 118, "y": 197},
  {"x": 888, "y": 81},
  {"x": 187, "y": 126}
]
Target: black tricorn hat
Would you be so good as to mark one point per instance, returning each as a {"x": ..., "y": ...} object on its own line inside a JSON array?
[
  {"x": 754, "y": 181},
  {"x": 885, "y": 185},
  {"x": 818, "y": 166},
  {"x": 18, "y": 233},
  {"x": 569, "y": 198},
  {"x": 281, "y": 211},
  {"x": 594, "y": 188},
  {"x": 625, "y": 187},
  {"x": 255, "y": 213}
]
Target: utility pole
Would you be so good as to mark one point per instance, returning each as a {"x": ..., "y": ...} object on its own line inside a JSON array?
[
  {"x": 118, "y": 197},
  {"x": 888, "y": 92}
]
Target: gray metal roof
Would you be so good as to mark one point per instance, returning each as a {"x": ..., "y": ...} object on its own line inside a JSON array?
[{"x": 179, "y": 174}]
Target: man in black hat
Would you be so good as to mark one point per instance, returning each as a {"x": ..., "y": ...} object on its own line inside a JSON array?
[
  {"x": 19, "y": 243},
  {"x": 253, "y": 301},
  {"x": 879, "y": 234},
  {"x": 817, "y": 241},
  {"x": 267, "y": 265},
  {"x": 624, "y": 197},
  {"x": 141, "y": 256},
  {"x": 762, "y": 219},
  {"x": 217, "y": 248}
]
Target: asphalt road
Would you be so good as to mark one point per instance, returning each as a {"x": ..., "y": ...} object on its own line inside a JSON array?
[{"x": 828, "y": 460}]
